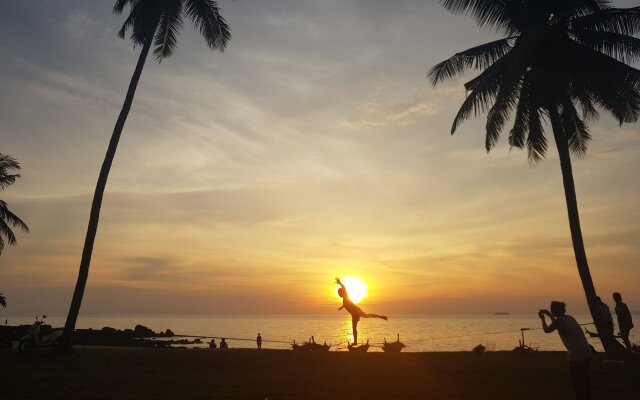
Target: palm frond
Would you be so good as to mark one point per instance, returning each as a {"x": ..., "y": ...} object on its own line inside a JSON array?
[
  {"x": 9, "y": 217},
  {"x": 506, "y": 100},
  {"x": 537, "y": 143},
  {"x": 479, "y": 58},
  {"x": 575, "y": 129},
  {"x": 120, "y": 5},
  {"x": 8, "y": 180},
  {"x": 168, "y": 28},
  {"x": 490, "y": 13},
  {"x": 587, "y": 104},
  {"x": 619, "y": 46},
  {"x": 6, "y": 232},
  {"x": 478, "y": 101},
  {"x": 612, "y": 84},
  {"x": 520, "y": 128},
  {"x": 625, "y": 21},
  {"x": 482, "y": 90},
  {"x": 133, "y": 21},
  {"x": 3, "y": 300},
  {"x": 571, "y": 9},
  {"x": 8, "y": 164},
  {"x": 206, "y": 16},
  {"x": 142, "y": 21}
]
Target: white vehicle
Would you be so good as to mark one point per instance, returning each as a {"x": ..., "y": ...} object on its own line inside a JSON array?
[{"x": 40, "y": 335}]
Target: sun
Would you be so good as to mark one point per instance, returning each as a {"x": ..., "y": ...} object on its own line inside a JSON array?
[{"x": 356, "y": 288}]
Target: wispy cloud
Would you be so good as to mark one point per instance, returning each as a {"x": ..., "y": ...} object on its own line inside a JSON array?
[
  {"x": 313, "y": 146},
  {"x": 375, "y": 112}
]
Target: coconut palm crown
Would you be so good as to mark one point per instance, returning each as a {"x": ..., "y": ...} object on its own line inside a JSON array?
[
  {"x": 162, "y": 20},
  {"x": 561, "y": 61},
  {"x": 8, "y": 219},
  {"x": 558, "y": 55},
  {"x": 151, "y": 24}
]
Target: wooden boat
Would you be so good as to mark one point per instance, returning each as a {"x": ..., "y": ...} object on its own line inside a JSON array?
[
  {"x": 522, "y": 347},
  {"x": 358, "y": 349},
  {"x": 596, "y": 335},
  {"x": 393, "y": 347},
  {"x": 311, "y": 345}
]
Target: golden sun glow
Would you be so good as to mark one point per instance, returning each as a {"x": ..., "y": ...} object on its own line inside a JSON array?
[{"x": 356, "y": 288}]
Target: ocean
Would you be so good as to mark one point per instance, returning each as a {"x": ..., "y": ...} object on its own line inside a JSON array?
[{"x": 418, "y": 332}]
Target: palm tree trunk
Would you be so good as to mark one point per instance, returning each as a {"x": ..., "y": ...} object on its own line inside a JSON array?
[
  {"x": 610, "y": 344},
  {"x": 83, "y": 274}
]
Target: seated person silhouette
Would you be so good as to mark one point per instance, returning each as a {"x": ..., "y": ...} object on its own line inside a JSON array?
[
  {"x": 223, "y": 344},
  {"x": 355, "y": 311}
]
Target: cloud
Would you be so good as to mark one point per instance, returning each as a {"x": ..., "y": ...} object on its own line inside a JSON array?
[
  {"x": 376, "y": 112},
  {"x": 244, "y": 172}
]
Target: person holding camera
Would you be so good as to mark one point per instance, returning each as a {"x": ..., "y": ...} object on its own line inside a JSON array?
[{"x": 579, "y": 350}]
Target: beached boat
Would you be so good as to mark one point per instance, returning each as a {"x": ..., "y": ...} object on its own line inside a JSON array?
[
  {"x": 596, "y": 335},
  {"x": 393, "y": 347},
  {"x": 310, "y": 345},
  {"x": 359, "y": 349}
]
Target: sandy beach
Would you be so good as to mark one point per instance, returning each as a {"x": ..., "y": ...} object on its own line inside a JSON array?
[{"x": 100, "y": 373}]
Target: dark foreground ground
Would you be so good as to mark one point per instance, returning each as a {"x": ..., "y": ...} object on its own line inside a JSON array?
[{"x": 249, "y": 374}]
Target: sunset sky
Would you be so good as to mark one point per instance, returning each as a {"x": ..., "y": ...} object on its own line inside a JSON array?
[{"x": 314, "y": 147}]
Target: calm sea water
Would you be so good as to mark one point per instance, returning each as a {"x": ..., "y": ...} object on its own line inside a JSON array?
[{"x": 419, "y": 333}]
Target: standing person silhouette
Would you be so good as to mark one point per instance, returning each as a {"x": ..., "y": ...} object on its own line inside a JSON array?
[
  {"x": 259, "y": 341},
  {"x": 606, "y": 315},
  {"x": 625, "y": 322},
  {"x": 355, "y": 311}
]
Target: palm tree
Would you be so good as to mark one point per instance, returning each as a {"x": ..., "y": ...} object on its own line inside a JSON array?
[
  {"x": 152, "y": 23},
  {"x": 557, "y": 57},
  {"x": 8, "y": 164},
  {"x": 3, "y": 301}
]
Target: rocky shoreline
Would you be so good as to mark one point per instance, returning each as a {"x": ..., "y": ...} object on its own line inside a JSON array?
[{"x": 139, "y": 336}]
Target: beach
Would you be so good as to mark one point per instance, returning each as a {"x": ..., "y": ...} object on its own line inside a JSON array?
[{"x": 114, "y": 373}]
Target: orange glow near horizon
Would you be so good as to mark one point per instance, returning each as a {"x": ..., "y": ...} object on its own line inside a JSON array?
[{"x": 356, "y": 288}]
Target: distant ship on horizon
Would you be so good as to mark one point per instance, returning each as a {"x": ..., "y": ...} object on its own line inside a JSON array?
[{"x": 500, "y": 313}]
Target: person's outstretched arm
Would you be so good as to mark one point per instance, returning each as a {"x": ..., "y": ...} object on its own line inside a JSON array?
[
  {"x": 547, "y": 328},
  {"x": 343, "y": 288}
]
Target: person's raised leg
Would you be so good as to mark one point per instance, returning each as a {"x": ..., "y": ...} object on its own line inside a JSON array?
[{"x": 384, "y": 317}]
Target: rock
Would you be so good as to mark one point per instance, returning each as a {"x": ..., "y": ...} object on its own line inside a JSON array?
[{"x": 143, "y": 331}]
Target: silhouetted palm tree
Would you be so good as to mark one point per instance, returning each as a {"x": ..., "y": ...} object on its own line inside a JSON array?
[
  {"x": 8, "y": 164},
  {"x": 152, "y": 23},
  {"x": 3, "y": 301},
  {"x": 556, "y": 56}
]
